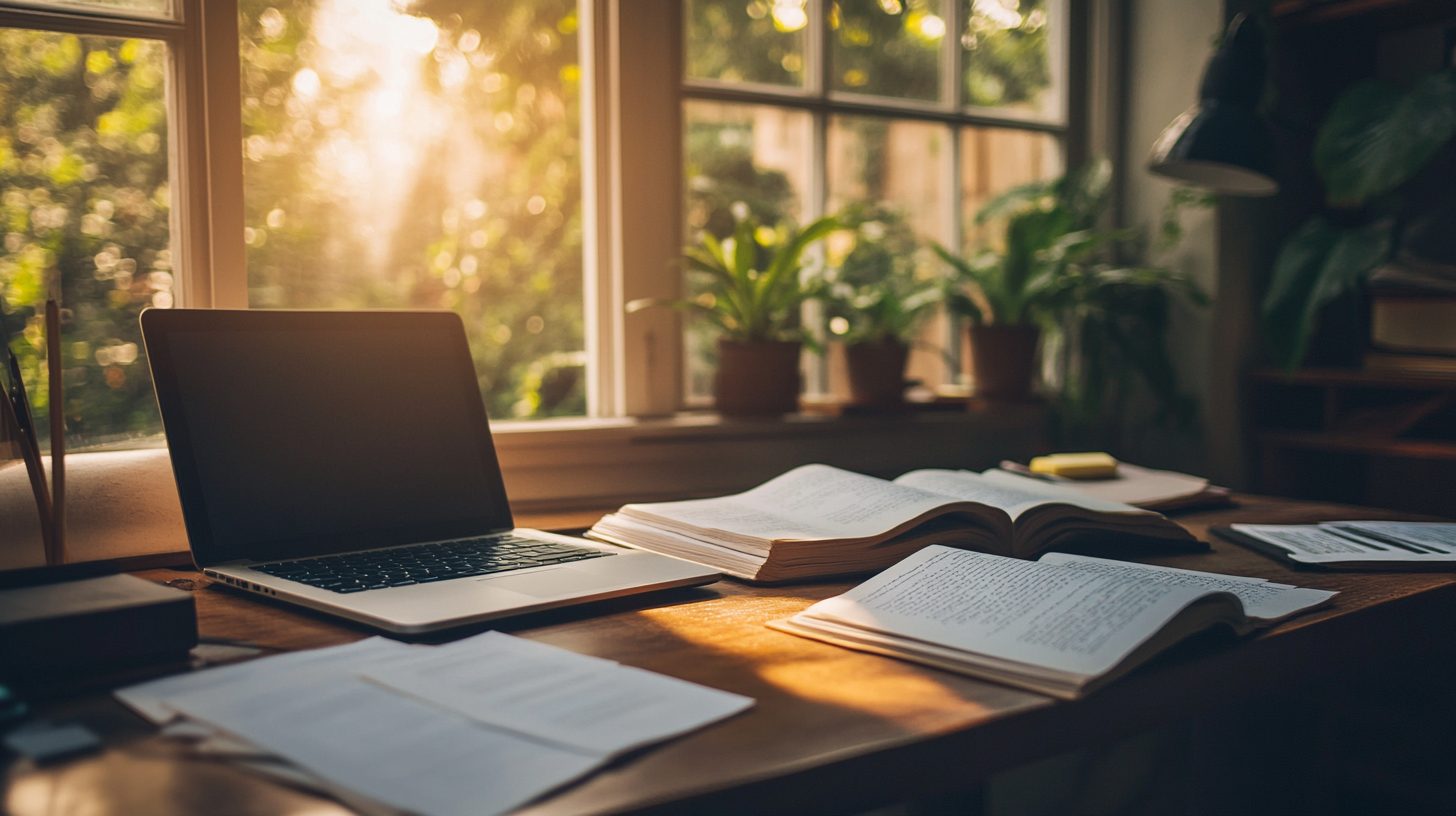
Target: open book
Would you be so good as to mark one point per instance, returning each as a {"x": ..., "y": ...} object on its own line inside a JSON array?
[
  {"x": 1061, "y": 626},
  {"x": 817, "y": 521}
]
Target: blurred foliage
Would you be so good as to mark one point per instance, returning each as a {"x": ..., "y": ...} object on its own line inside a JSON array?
[
  {"x": 1005, "y": 59},
  {"x": 886, "y": 47},
  {"x": 746, "y": 41},
  {"x": 881, "y": 47},
  {"x": 505, "y": 253},
  {"x": 84, "y": 201},
  {"x": 877, "y": 292}
]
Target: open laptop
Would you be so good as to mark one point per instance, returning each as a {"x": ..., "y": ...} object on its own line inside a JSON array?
[{"x": 343, "y": 461}]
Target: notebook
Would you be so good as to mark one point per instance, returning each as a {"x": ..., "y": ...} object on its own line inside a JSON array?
[{"x": 343, "y": 461}]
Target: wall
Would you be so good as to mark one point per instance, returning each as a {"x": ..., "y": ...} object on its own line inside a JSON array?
[{"x": 1166, "y": 47}]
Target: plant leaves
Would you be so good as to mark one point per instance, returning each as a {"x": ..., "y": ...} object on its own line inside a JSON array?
[
  {"x": 1317, "y": 264},
  {"x": 1015, "y": 199},
  {"x": 1376, "y": 137}
]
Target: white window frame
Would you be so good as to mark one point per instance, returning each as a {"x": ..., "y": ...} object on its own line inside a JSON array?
[
  {"x": 822, "y": 103},
  {"x": 631, "y": 54}
]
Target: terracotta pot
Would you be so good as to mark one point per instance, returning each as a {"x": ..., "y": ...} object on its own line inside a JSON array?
[
  {"x": 1003, "y": 360},
  {"x": 877, "y": 373},
  {"x": 757, "y": 379}
]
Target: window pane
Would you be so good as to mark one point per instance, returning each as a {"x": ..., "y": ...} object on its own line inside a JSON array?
[
  {"x": 887, "y": 47},
  {"x": 993, "y": 160},
  {"x": 84, "y": 195},
  {"x": 900, "y": 169},
  {"x": 752, "y": 159},
  {"x": 426, "y": 160},
  {"x": 747, "y": 40},
  {"x": 1008, "y": 56},
  {"x": 151, "y": 8}
]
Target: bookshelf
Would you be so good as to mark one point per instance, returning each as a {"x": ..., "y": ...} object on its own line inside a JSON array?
[{"x": 1360, "y": 437}]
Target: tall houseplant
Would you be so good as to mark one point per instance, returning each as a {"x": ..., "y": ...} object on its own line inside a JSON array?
[
  {"x": 1007, "y": 296},
  {"x": 1375, "y": 141},
  {"x": 1108, "y": 320},
  {"x": 755, "y": 288}
]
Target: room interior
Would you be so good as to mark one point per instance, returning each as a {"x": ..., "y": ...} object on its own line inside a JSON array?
[{"x": 607, "y": 195}]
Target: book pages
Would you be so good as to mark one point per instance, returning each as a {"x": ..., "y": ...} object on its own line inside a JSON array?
[{"x": 1074, "y": 621}]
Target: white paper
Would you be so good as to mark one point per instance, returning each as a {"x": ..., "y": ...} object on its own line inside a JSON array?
[
  {"x": 808, "y": 502},
  {"x": 1068, "y": 620},
  {"x": 1312, "y": 544},
  {"x": 322, "y": 715},
  {"x": 1132, "y": 484},
  {"x": 1425, "y": 535},
  {"x": 150, "y": 699},
  {"x": 1261, "y": 598},
  {"x": 1015, "y": 494},
  {"x": 578, "y": 701}
]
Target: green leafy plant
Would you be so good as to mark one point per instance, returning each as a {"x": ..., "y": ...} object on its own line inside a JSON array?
[
  {"x": 890, "y": 310},
  {"x": 756, "y": 282},
  {"x": 876, "y": 292},
  {"x": 1376, "y": 138},
  {"x": 1049, "y": 226},
  {"x": 1105, "y": 322}
]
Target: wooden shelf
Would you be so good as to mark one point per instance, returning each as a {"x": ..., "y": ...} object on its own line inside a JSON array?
[
  {"x": 1378, "y": 15},
  {"x": 1343, "y": 443},
  {"x": 1358, "y": 378}
]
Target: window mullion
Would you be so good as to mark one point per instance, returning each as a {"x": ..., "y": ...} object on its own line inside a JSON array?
[{"x": 207, "y": 165}]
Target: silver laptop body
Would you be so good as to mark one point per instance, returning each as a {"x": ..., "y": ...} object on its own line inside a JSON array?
[{"x": 342, "y": 461}]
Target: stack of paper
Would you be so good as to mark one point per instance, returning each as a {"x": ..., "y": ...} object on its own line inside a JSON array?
[{"x": 479, "y": 726}]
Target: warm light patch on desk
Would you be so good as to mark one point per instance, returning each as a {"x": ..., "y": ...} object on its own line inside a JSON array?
[{"x": 913, "y": 697}]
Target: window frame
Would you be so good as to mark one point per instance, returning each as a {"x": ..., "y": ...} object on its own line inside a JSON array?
[
  {"x": 822, "y": 103},
  {"x": 204, "y": 106},
  {"x": 632, "y": 62}
]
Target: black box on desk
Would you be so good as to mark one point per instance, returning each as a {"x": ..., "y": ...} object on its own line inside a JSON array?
[{"x": 60, "y": 631}]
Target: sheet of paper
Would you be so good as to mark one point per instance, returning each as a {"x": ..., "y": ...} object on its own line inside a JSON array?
[
  {"x": 1014, "y": 494},
  {"x": 1261, "y": 598},
  {"x": 322, "y": 715},
  {"x": 1311, "y": 544},
  {"x": 1069, "y": 620},
  {"x": 150, "y": 699},
  {"x": 571, "y": 699},
  {"x": 1132, "y": 485}
]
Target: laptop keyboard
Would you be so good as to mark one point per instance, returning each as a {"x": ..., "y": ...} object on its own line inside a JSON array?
[{"x": 426, "y": 563}]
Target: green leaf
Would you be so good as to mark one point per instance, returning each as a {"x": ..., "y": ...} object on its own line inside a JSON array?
[
  {"x": 1014, "y": 200},
  {"x": 1377, "y": 137},
  {"x": 1316, "y": 265}
]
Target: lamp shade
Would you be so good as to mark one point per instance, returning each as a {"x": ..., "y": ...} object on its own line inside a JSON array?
[{"x": 1222, "y": 143}]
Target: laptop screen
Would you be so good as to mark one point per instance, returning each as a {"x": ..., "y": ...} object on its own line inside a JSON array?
[{"x": 306, "y": 433}]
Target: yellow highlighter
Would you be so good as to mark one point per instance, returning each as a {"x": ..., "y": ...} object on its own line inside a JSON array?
[{"x": 1076, "y": 465}]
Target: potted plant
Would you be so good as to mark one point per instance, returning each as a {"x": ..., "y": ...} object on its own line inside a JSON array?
[
  {"x": 1108, "y": 320},
  {"x": 1006, "y": 296},
  {"x": 754, "y": 292},
  {"x": 876, "y": 305}
]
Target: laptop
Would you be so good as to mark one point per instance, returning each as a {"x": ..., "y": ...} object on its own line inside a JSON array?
[{"x": 342, "y": 461}]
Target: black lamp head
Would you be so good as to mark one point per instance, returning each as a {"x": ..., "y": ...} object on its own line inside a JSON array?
[{"x": 1222, "y": 143}]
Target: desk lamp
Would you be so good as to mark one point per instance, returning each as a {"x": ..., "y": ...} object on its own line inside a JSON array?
[{"x": 1222, "y": 143}]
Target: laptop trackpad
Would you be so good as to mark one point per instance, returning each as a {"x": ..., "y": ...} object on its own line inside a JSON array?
[{"x": 552, "y": 582}]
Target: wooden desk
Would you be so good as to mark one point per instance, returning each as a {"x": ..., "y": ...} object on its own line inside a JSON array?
[{"x": 834, "y": 730}]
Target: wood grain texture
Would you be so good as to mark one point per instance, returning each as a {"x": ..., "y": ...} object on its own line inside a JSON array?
[{"x": 838, "y": 730}]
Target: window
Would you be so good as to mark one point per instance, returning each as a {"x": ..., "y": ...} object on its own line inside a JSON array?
[
  {"x": 489, "y": 158},
  {"x": 920, "y": 109},
  {"x": 388, "y": 159}
]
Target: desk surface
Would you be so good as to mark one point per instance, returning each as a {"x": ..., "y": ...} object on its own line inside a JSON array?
[{"x": 834, "y": 729}]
